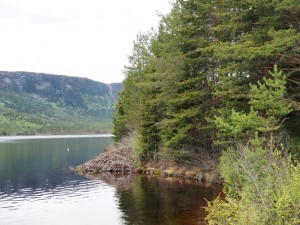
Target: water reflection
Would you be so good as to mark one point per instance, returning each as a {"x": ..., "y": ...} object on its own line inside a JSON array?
[
  {"x": 37, "y": 188},
  {"x": 148, "y": 200},
  {"x": 43, "y": 163}
]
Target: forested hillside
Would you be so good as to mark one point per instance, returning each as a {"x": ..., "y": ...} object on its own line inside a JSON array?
[
  {"x": 41, "y": 103},
  {"x": 222, "y": 78}
]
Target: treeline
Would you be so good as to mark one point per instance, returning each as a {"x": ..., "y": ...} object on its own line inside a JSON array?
[
  {"x": 14, "y": 123},
  {"x": 221, "y": 78}
]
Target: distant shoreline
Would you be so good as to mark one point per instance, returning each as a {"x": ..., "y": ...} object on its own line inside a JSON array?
[{"x": 50, "y": 136}]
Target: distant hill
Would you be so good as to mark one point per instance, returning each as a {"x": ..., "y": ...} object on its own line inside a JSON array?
[{"x": 36, "y": 103}]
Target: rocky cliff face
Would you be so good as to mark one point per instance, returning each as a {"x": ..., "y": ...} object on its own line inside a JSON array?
[{"x": 68, "y": 91}]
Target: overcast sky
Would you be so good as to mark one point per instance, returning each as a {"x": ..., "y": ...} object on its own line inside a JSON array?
[{"x": 86, "y": 38}]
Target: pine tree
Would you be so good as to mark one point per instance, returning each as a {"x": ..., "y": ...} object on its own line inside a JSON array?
[
  {"x": 158, "y": 86},
  {"x": 199, "y": 64},
  {"x": 128, "y": 107},
  {"x": 268, "y": 107},
  {"x": 250, "y": 37},
  {"x": 185, "y": 126}
]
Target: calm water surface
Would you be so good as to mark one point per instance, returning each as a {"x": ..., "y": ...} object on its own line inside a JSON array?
[{"x": 36, "y": 187}]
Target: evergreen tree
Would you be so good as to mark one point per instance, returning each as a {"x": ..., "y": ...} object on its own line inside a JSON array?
[
  {"x": 158, "y": 86},
  {"x": 128, "y": 107},
  {"x": 268, "y": 107},
  {"x": 199, "y": 64},
  {"x": 251, "y": 36},
  {"x": 185, "y": 127}
]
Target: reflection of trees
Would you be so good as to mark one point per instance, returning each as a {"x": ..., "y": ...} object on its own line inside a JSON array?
[
  {"x": 148, "y": 200},
  {"x": 121, "y": 181},
  {"x": 44, "y": 163},
  {"x": 154, "y": 200}
]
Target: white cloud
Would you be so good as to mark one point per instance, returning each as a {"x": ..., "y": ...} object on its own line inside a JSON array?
[{"x": 90, "y": 38}]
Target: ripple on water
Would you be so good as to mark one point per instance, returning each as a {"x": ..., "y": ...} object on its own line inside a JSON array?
[
  {"x": 31, "y": 207},
  {"x": 72, "y": 191},
  {"x": 36, "y": 188}
]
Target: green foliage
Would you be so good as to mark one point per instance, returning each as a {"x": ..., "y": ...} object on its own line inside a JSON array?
[
  {"x": 188, "y": 85},
  {"x": 13, "y": 123},
  {"x": 260, "y": 180},
  {"x": 149, "y": 133},
  {"x": 39, "y": 103},
  {"x": 185, "y": 125},
  {"x": 249, "y": 40},
  {"x": 136, "y": 151},
  {"x": 239, "y": 124},
  {"x": 268, "y": 98},
  {"x": 260, "y": 189},
  {"x": 198, "y": 65},
  {"x": 127, "y": 115},
  {"x": 288, "y": 204},
  {"x": 138, "y": 107},
  {"x": 268, "y": 106},
  {"x": 119, "y": 129}
]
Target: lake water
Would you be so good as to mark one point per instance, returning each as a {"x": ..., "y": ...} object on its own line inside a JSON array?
[{"x": 36, "y": 187}]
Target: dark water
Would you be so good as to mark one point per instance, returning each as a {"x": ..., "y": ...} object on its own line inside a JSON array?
[
  {"x": 154, "y": 200},
  {"x": 36, "y": 187}
]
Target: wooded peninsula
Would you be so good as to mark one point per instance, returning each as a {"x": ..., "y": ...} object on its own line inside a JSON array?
[{"x": 219, "y": 82}]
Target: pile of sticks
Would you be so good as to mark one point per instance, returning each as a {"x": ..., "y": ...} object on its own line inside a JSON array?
[{"x": 114, "y": 161}]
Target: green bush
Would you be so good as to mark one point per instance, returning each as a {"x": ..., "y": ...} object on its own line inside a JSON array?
[{"x": 260, "y": 188}]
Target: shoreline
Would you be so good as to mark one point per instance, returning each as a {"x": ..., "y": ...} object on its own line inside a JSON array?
[
  {"x": 50, "y": 136},
  {"x": 120, "y": 160},
  {"x": 182, "y": 171}
]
